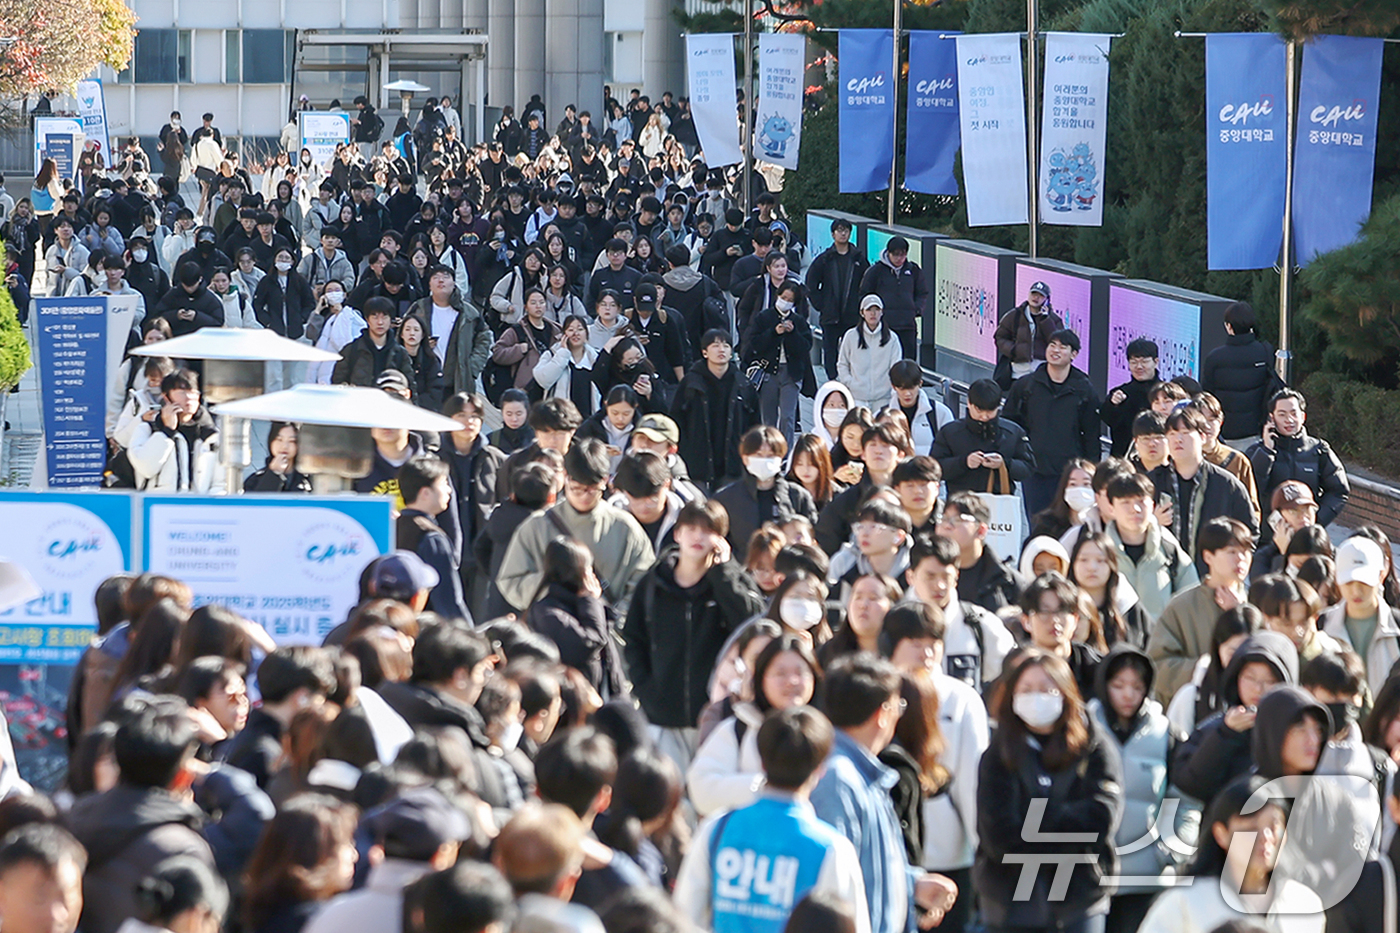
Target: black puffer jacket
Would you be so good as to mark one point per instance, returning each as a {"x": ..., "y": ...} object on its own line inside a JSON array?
[
  {"x": 1215, "y": 754},
  {"x": 956, "y": 440},
  {"x": 421, "y": 705},
  {"x": 673, "y": 636},
  {"x": 1309, "y": 460},
  {"x": 700, "y": 422},
  {"x": 1061, "y": 418},
  {"x": 284, "y": 312},
  {"x": 583, "y": 627},
  {"x": 741, "y": 500},
  {"x": 1240, "y": 374},
  {"x": 904, "y": 291},
  {"x": 1086, "y": 797}
]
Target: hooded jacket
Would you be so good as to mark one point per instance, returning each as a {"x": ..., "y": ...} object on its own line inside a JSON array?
[
  {"x": 930, "y": 418},
  {"x": 819, "y": 425},
  {"x": 999, "y": 435},
  {"x": 1038, "y": 546},
  {"x": 1280, "y": 710},
  {"x": 904, "y": 290},
  {"x": 686, "y": 292},
  {"x": 1215, "y": 754},
  {"x": 1145, "y": 746},
  {"x": 1018, "y": 341},
  {"x": 1061, "y": 418},
  {"x": 835, "y": 282}
]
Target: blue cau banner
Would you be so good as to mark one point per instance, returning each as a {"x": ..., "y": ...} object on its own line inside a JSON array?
[
  {"x": 1338, "y": 100},
  {"x": 933, "y": 135},
  {"x": 866, "y": 60},
  {"x": 72, "y": 343},
  {"x": 1246, "y": 149}
]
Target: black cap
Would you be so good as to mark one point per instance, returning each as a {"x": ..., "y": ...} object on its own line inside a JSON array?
[
  {"x": 416, "y": 824},
  {"x": 392, "y": 379},
  {"x": 645, "y": 297},
  {"x": 1040, "y": 287}
]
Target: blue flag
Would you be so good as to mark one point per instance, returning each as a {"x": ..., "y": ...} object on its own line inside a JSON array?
[
  {"x": 866, "y": 60},
  {"x": 933, "y": 135},
  {"x": 1338, "y": 100},
  {"x": 1246, "y": 149}
]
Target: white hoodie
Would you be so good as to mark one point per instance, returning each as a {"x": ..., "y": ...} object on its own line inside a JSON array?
[
  {"x": 951, "y": 817},
  {"x": 819, "y": 428}
]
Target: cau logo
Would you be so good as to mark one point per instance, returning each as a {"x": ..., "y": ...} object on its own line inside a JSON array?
[
  {"x": 935, "y": 85},
  {"x": 70, "y": 546},
  {"x": 870, "y": 83},
  {"x": 330, "y": 550},
  {"x": 1335, "y": 115},
  {"x": 1240, "y": 114}
]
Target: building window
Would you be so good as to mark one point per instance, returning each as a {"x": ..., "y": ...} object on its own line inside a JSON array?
[
  {"x": 160, "y": 56},
  {"x": 259, "y": 56}
]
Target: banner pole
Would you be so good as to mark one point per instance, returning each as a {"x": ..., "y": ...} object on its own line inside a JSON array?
[
  {"x": 894, "y": 133},
  {"x": 748, "y": 107},
  {"x": 1284, "y": 361},
  {"x": 1032, "y": 127}
]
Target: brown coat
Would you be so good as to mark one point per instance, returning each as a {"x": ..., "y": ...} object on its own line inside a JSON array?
[
  {"x": 510, "y": 349},
  {"x": 1015, "y": 339},
  {"x": 1238, "y": 466}
]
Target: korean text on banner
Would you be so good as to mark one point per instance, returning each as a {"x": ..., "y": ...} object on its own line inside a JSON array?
[
  {"x": 322, "y": 132},
  {"x": 1074, "y": 128},
  {"x": 69, "y": 542},
  {"x": 1246, "y": 149},
  {"x": 1338, "y": 101},
  {"x": 291, "y": 566},
  {"x": 709, "y": 61},
  {"x": 60, "y": 139},
  {"x": 992, "y": 109},
  {"x": 867, "y": 108},
  {"x": 72, "y": 343},
  {"x": 92, "y": 107},
  {"x": 932, "y": 137},
  {"x": 778, "y": 126}
]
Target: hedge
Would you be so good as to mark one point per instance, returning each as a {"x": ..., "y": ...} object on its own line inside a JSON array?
[
  {"x": 14, "y": 348},
  {"x": 1357, "y": 419}
]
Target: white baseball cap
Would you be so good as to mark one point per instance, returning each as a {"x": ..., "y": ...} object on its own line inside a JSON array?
[
  {"x": 871, "y": 301},
  {"x": 1360, "y": 559}
]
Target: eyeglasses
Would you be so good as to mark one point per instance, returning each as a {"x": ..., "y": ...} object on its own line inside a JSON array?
[
  {"x": 866, "y": 528},
  {"x": 1053, "y": 615},
  {"x": 956, "y": 518}
]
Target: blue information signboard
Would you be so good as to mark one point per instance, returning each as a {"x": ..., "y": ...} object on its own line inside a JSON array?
[{"x": 72, "y": 344}]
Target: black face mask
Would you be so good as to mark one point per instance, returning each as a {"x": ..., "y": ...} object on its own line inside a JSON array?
[
  {"x": 1343, "y": 715},
  {"x": 206, "y": 248}
]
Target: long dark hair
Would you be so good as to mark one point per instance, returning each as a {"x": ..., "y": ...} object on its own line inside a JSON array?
[
  {"x": 1209, "y": 861},
  {"x": 783, "y": 643},
  {"x": 1058, "y": 510},
  {"x": 646, "y": 789},
  {"x": 566, "y": 562},
  {"x": 1071, "y": 736},
  {"x": 296, "y": 856},
  {"x": 1115, "y": 628},
  {"x": 814, "y": 447},
  {"x": 918, "y": 732},
  {"x": 1244, "y": 619},
  {"x": 155, "y": 646},
  {"x": 1383, "y": 713},
  {"x": 885, "y": 332}
]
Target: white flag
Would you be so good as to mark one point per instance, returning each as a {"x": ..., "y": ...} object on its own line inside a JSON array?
[
  {"x": 992, "y": 111},
  {"x": 1074, "y": 123},
  {"x": 709, "y": 62},
  {"x": 92, "y": 107},
  {"x": 778, "y": 125}
]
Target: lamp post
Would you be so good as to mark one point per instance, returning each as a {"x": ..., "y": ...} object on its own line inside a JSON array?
[
  {"x": 335, "y": 445},
  {"x": 235, "y": 361},
  {"x": 406, "y": 90}
]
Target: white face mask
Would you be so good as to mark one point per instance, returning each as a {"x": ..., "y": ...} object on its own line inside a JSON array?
[
  {"x": 335, "y": 298},
  {"x": 800, "y": 614},
  {"x": 764, "y": 468},
  {"x": 138, "y": 255},
  {"x": 783, "y": 305},
  {"x": 175, "y": 124},
  {"x": 832, "y": 417},
  {"x": 1038, "y": 710},
  {"x": 1079, "y": 498},
  {"x": 510, "y": 736},
  {"x": 284, "y": 267}
]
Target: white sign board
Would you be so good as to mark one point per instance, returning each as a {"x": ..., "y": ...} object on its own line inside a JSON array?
[
  {"x": 290, "y": 563},
  {"x": 321, "y": 131}
]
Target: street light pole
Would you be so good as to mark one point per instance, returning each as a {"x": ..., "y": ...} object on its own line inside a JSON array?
[
  {"x": 1284, "y": 360},
  {"x": 894, "y": 133},
  {"x": 1032, "y": 127}
]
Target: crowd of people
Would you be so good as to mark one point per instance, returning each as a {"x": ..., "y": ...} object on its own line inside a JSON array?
[{"x": 658, "y": 655}]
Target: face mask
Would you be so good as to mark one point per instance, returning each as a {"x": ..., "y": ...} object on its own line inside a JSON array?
[
  {"x": 175, "y": 124},
  {"x": 764, "y": 468},
  {"x": 510, "y": 736},
  {"x": 335, "y": 298},
  {"x": 832, "y": 417},
  {"x": 284, "y": 267},
  {"x": 783, "y": 305},
  {"x": 1038, "y": 710},
  {"x": 800, "y": 614},
  {"x": 1079, "y": 498},
  {"x": 306, "y": 160},
  {"x": 138, "y": 255},
  {"x": 1343, "y": 715},
  {"x": 206, "y": 247}
]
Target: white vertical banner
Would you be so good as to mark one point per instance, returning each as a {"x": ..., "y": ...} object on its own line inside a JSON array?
[
  {"x": 782, "y": 59},
  {"x": 1074, "y": 127},
  {"x": 92, "y": 108},
  {"x": 709, "y": 69},
  {"x": 992, "y": 112}
]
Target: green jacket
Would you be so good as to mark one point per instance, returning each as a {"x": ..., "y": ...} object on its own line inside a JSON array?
[{"x": 468, "y": 346}]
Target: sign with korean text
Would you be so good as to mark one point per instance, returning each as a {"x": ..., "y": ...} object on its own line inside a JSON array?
[
  {"x": 92, "y": 107},
  {"x": 60, "y": 139},
  {"x": 1338, "y": 103},
  {"x": 932, "y": 136},
  {"x": 71, "y": 334},
  {"x": 709, "y": 70},
  {"x": 290, "y": 563},
  {"x": 778, "y": 122},
  {"x": 866, "y": 86},
  {"x": 992, "y": 110},
  {"x": 1246, "y": 149},
  {"x": 321, "y": 132},
  {"x": 1074, "y": 128}
]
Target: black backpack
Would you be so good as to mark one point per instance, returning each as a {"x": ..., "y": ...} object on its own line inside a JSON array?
[
  {"x": 374, "y": 127},
  {"x": 496, "y": 378}
]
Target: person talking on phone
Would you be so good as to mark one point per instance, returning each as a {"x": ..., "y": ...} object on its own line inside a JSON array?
[
  {"x": 280, "y": 473},
  {"x": 177, "y": 450},
  {"x": 1287, "y": 452}
]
